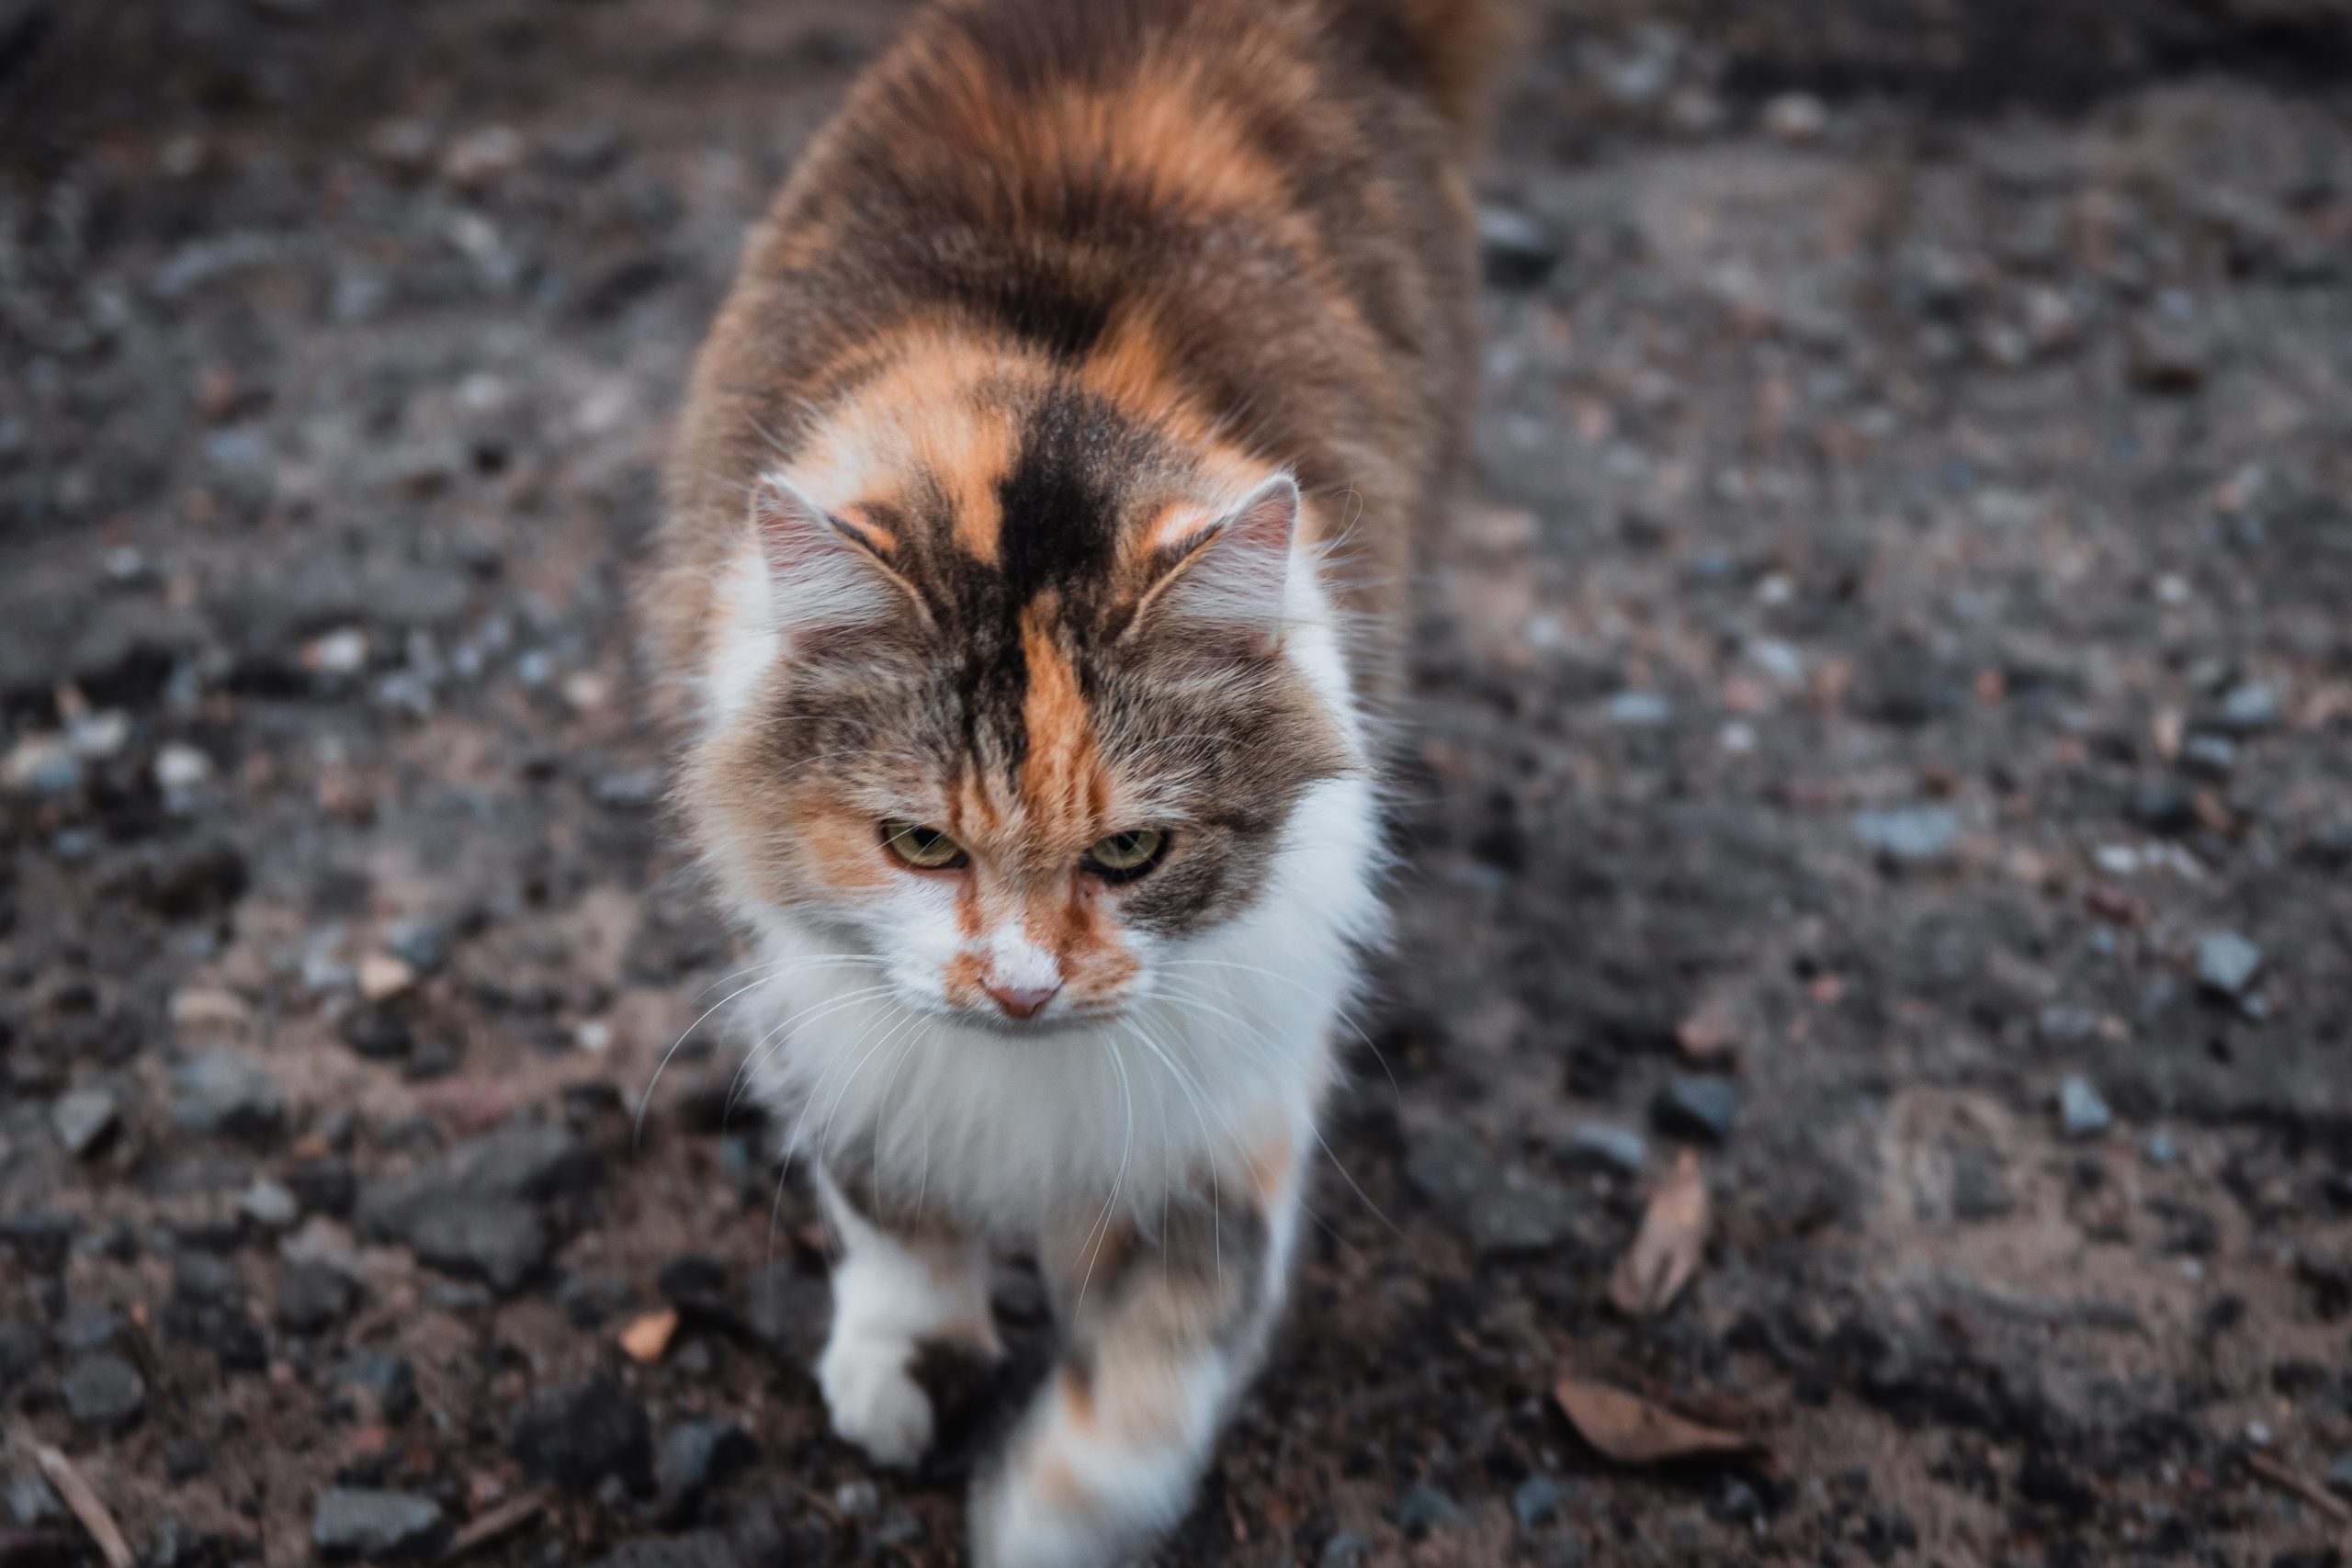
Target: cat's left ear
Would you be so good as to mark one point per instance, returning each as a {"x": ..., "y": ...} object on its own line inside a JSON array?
[{"x": 1229, "y": 574}]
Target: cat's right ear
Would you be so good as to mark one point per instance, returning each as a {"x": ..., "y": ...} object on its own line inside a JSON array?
[{"x": 824, "y": 572}]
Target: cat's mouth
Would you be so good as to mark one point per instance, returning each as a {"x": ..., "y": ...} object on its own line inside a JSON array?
[{"x": 1055, "y": 1020}]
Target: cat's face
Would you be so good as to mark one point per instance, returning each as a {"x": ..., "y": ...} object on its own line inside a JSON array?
[{"x": 1004, "y": 703}]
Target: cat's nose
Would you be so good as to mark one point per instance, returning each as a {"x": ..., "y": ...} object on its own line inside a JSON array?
[{"x": 1021, "y": 1001}]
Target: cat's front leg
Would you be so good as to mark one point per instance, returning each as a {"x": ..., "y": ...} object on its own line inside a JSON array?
[
  {"x": 896, "y": 1289},
  {"x": 1164, "y": 1331}
]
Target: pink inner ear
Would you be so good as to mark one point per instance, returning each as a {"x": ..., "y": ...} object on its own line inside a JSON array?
[
  {"x": 1232, "y": 571},
  {"x": 822, "y": 570}
]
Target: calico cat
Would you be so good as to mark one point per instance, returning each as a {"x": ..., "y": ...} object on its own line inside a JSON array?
[{"x": 1031, "y": 580}]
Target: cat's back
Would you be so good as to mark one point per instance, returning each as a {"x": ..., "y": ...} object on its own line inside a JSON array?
[{"x": 1243, "y": 219}]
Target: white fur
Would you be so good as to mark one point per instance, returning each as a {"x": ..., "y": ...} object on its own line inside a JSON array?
[{"x": 889, "y": 1299}]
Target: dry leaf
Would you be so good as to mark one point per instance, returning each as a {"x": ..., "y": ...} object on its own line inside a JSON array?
[
  {"x": 1634, "y": 1431},
  {"x": 1711, "y": 1034},
  {"x": 1666, "y": 1251},
  {"x": 649, "y": 1336}
]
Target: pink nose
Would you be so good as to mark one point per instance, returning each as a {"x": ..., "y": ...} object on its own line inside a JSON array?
[{"x": 1021, "y": 1001}]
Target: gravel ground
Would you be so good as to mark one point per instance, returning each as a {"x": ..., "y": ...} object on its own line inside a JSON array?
[{"x": 1880, "y": 723}]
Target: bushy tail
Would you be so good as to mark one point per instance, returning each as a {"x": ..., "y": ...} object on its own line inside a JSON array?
[{"x": 1453, "y": 47}]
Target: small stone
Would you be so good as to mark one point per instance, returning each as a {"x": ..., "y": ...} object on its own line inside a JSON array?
[
  {"x": 1514, "y": 251},
  {"x": 698, "y": 1455},
  {"x": 2166, "y": 354},
  {"x": 576, "y": 1436},
  {"x": 1344, "y": 1549},
  {"x": 84, "y": 1118},
  {"x": 337, "y": 653},
  {"x": 223, "y": 1092},
  {"x": 1424, "y": 1509},
  {"x": 90, "y": 1327},
  {"x": 2081, "y": 1112},
  {"x": 354, "y": 1522},
  {"x": 1620, "y": 1149},
  {"x": 2330, "y": 845},
  {"x": 2160, "y": 1150},
  {"x": 1516, "y": 1219},
  {"x": 2210, "y": 757},
  {"x": 324, "y": 1185},
  {"x": 424, "y": 945},
  {"x": 2163, "y": 806},
  {"x": 2227, "y": 963},
  {"x": 104, "y": 1393},
  {"x": 385, "y": 1379},
  {"x": 481, "y": 156},
  {"x": 314, "y": 1297},
  {"x": 858, "y": 1499},
  {"x": 270, "y": 1206},
  {"x": 1690, "y": 1106},
  {"x": 1797, "y": 117},
  {"x": 638, "y": 790},
  {"x": 378, "y": 1032},
  {"x": 1536, "y": 1501},
  {"x": 181, "y": 769},
  {"x": 2248, "y": 709},
  {"x": 500, "y": 1241},
  {"x": 383, "y": 976},
  {"x": 31, "y": 1502},
  {"x": 1639, "y": 710},
  {"x": 41, "y": 764},
  {"x": 2059, "y": 1025},
  {"x": 1909, "y": 835}
]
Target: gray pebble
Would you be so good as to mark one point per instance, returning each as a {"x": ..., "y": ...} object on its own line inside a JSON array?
[
  {"x": 1619, "y": 1148},
  {"x": 223, "y": 1092},
  {"x": 1909, "y": 835},
  {"x": 269, "y": 1204},
  {"x": 1691, "y": 1106},
  {"x": 1537, "y": 1500},
  {"x": 2248, "y": 708},
  {"x": 355, "y": 1522},
  {"x": 698, "y": 1455},
  {"x": 2160, "y": 1150},
  {"x": 386, "y": 1379},
  {"x": 1425, "y": 1508},
  {"x": 30, "y": 1503},
  {"x": 2081, "y": 1112},
  {"x": 2227, "y": 963},
  {"x": 104, "y": 1392},
  {"x": 1640, "y": 710},
  {"x": 2067, "y": 1025},
  {"x": 2210, "y": 757},
  {"x": 83, "y": 1118}
]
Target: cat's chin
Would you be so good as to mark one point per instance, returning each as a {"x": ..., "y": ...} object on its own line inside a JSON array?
[{"x": 995, "y": 1023}]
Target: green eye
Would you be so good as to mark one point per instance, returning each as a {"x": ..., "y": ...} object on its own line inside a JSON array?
[
  {"x": 1124, "y": 856},
  {"x": 925, "y": 849}
]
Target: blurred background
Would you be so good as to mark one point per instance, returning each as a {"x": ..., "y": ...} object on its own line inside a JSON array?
[{"x": 1882, "y": 726}]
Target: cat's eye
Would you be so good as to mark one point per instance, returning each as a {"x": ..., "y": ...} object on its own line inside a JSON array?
[
  {"x": 1122, "y": 857},
  {"x": 925, "y": 849}
]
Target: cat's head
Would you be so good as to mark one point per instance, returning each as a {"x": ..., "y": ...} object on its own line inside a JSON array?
[{"x": 1008, "y": 693}]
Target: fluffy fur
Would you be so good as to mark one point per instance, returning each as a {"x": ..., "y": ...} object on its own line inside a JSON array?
[{"x": 1048, "y": 476}]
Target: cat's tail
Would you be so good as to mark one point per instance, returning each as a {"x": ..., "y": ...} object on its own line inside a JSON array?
[{"x": 1455, "y": 47}]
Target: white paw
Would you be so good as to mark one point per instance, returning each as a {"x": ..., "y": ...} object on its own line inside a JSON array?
[{"x": 874, "y": 1402}]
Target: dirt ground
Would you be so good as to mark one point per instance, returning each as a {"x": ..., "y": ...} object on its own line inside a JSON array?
[{"x": 1883, "y": 720}]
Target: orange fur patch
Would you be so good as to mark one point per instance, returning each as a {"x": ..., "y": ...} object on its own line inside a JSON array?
[{"x": 1061, "y": 780}]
